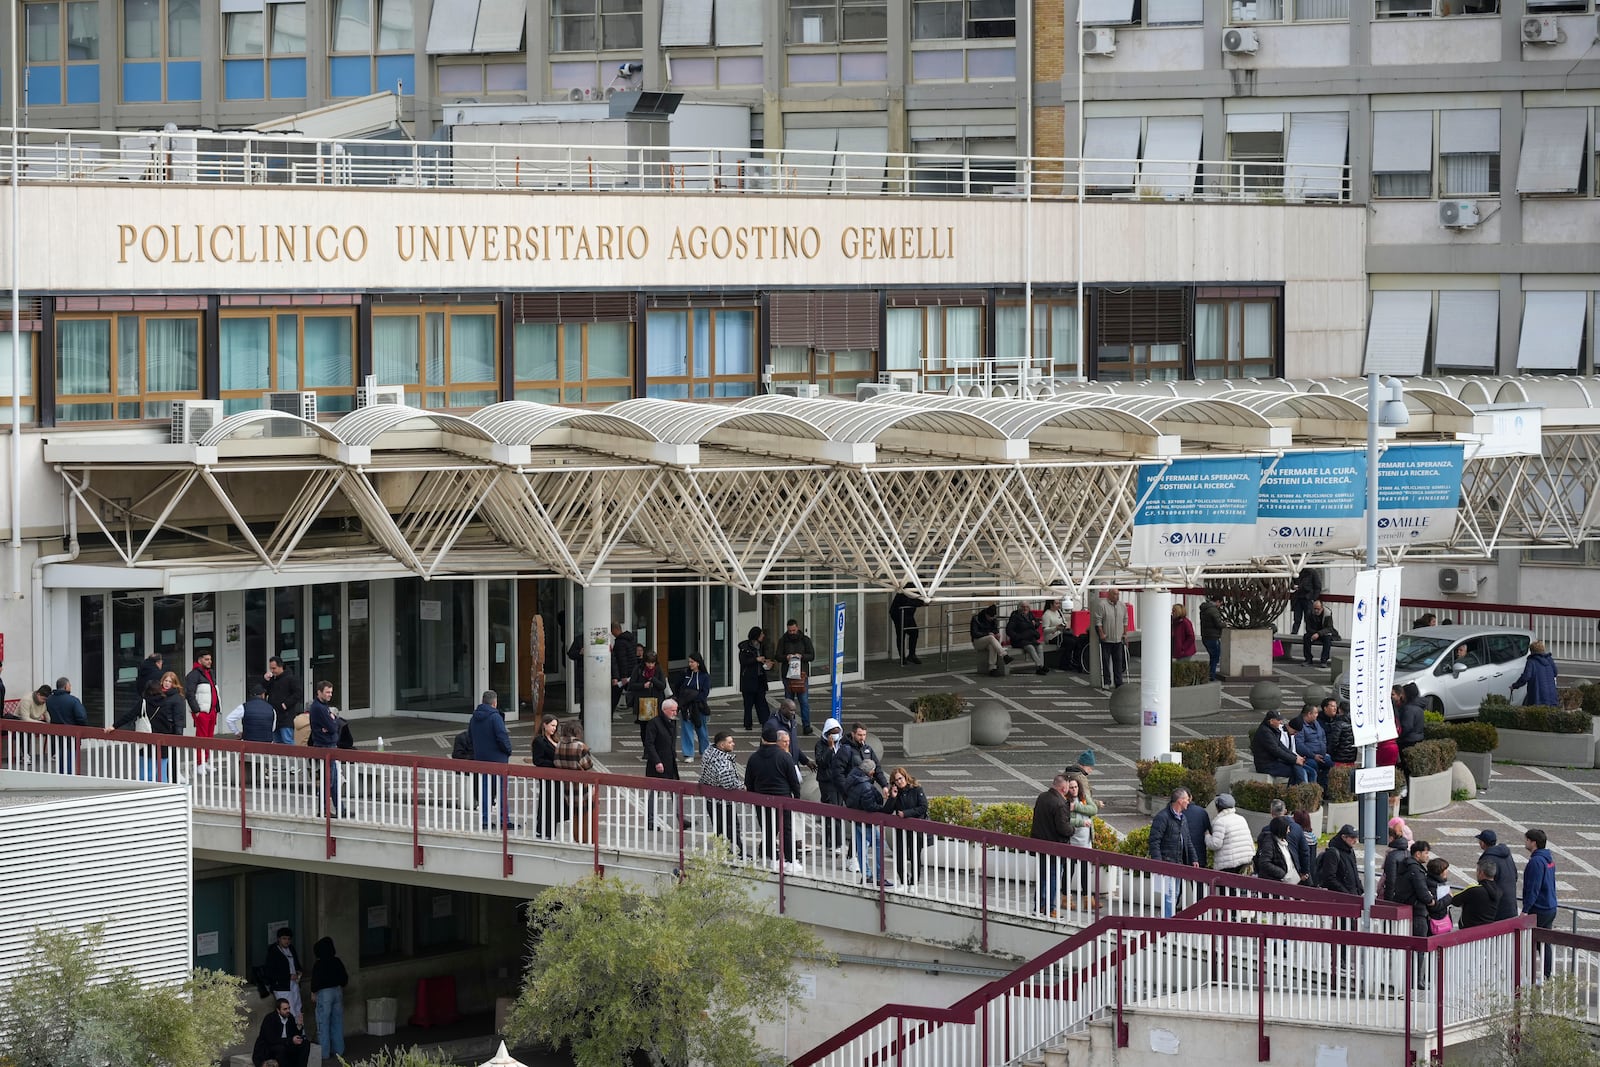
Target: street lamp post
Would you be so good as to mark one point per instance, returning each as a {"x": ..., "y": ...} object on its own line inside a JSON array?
[{"x": 1392, "y": 414}]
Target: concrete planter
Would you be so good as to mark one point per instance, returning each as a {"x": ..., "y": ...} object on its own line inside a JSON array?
[
  {"x": 1256, "y": 820},
  {"x": 1481, "y": 764},
  {"x": 991, "y": 723},
  {"x": 923, "y": 739},
  {"x": 1147, "y": 804},
  {"x": 1247, "y": 653},
  {"x": 1540, "y": 749},
  {"x": 1195, "y": 701},
  {"x": 1337, "y": 815},
  {"x": 1233, "y": 772},
  {"x": 1430, "y": 792}
]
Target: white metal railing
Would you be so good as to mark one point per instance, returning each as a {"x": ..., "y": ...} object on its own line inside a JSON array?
[{"x": 248, "y": 158}]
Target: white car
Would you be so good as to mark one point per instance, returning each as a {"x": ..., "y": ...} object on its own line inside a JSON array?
[{"x": 1455, "y": 667}]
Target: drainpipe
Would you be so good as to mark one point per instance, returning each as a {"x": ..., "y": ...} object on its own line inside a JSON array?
[
  {"x": 17, "y": 84},
  {"x": 39, "y": 565}
]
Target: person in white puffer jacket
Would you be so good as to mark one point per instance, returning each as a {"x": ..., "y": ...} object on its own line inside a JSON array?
[{"x": 1230, "y": 841}]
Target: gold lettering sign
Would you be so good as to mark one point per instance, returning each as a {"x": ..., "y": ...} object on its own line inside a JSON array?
[{"x": 323, "y": 242}]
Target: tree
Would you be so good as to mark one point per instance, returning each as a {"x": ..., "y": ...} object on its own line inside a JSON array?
[
  {"x": 683, "y": 973},
  {"x": 61, "y": 1012},
  {"x": 1544, "y": 1027}
]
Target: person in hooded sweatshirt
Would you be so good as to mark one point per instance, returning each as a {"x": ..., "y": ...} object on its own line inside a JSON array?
[
  {"x": 1539, "y": 885},
  {"x": 1539, "y": 675},
  {"x": 328, "y": 979},
  {"x": 1505, "y": 873},
  {"x": 490, "y": 744},
  {"x": 823, "y": 755}
]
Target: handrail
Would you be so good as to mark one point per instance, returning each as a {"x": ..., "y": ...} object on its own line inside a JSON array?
[
  {"x": 400, "y": 781},
  {"x": 966, "y": 1011},
  {"x": 198, "y": 157}
]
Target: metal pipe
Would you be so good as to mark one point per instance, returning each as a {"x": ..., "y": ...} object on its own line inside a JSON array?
[
  {"x": 1027, "y": 207},
  {"x": 1078, "y": 224},
  {"x": 1369, "y": 753},
  {"x": 16, "y": 319},
  {"x": 38, "y": 637}
]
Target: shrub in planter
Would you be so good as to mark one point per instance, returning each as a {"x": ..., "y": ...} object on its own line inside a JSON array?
[
  {"x": 1535, "y": 718},
  {"x": 1341, "y": 785},
  {"x": 1258, "y": 796},
  {"x": 954, "y": 811},
  {"x": 1103, "y": 836},
  {"x": 1158, "y": 780},
  {"x": 1432, "y": 718},
  {"x": 1430, "y": 757},
  {"x": 1207, "y": 753},
  {"x": 1569, "y": 698},
  {"x": 1007, "y": 818},
  {"x": 1591, "y": 697},
  {"x": 938, "y": 707},
  {"x": 1187, "y": 672},
  {"x": 1136, "y": 843},
  {"x": 1468, "y": 736}
]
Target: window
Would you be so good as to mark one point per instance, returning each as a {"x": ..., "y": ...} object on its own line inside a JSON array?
[
  {"x": 269, "y": 350},
  {"x": 1402, "y": 154},
  {"x": 1255, "y": 148},
  {"x": 1055, "y": 335},
  {"x": 596, "y": 25},
  {"x": 834, "y": 373},
  {"x": 30, "y": 348},
  {"x": 277, "y": 31},
  {"x": 1468, "y": 159},
  {"x": 480, "y": 77},
  {"x": 1235, "y": 338},
  {"x": 1468, "y": 335},
  {"x": 1554, "y": 143},
  {"x": 1552, "y": 331},
  {"x": 829, "y": 338},
  {"x": 63, "y": 53},
  {"x": 955, "y": 167},
  {"x": 832, "y": 21},
  {"x": 1542, "y": 7},
  {"x": 932, "y": 337},
  {"x": 972, "y": 20},
  {"x": 1299, "y": 157},
  {"x": 446, "y": 357},
  {"x": 573, "y": 362},
  {"x": 1140, "y": 334},
  {"x": 1421, "y": 9},
  {"x": 125, "y": 366},
  {"x": 376, "y": 39},
  {"x": 700, "y": 353},
  {"x": 160, "y": 50},
  {"x": 1248, "y": 11}
]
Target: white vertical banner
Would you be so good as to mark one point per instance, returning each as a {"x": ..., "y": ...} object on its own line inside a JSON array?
[
  {"x": 1363, "y": 666},
  {"x": 1386, "y": 638}
]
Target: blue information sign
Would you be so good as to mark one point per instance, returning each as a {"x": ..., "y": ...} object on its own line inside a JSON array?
[{"x": 838, "y": 660}]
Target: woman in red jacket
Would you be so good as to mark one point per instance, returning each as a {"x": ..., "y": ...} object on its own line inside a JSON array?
[{"x": 1182, "y": 633}]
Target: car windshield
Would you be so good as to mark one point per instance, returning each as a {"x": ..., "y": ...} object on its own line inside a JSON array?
[{"x": 1416, "y": 652}]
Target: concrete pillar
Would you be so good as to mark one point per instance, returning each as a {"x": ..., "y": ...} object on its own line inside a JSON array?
[
  {"x": 598, "y": 696},
  {"x": 1155, "y": 672}
]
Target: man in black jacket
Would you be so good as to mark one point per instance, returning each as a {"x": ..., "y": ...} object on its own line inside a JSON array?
[
  {"x": 284, "y": 694},
  {"x": 281, "y": 967},
  {"x": 201, "y": 674},
  {"x": 1336, "y": 867},
  {"x": 661, "y": 754},
  {"x": 1480, "y": 904},
  {"x": 903, "y": 613},
  {"x": 1409, "y": 885},
  {"x": 624, "y": 658},
  {"x": 771, "y": 772},
  {"x": 1505, "y": 873},
  {"x": 793, "y": 643},
  {"x": 753, "y": 664},
  {"x": 1274, "y": 757},
  {"x": 1409, "y": 718},
  {"x": 1022, "y": 630},
  {"x": 852, "y": 751},
  {"x": 1341, "y": 735},
  {"x": 149, "y": 674},
  {"x": 1319, "y": 628},
  {"x": 281, "y": 1039}
]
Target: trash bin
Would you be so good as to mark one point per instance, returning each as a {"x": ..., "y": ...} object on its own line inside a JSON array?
[{"x": 381, "y": 1014}]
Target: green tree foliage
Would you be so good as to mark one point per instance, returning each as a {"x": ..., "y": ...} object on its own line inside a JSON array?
[
  {"x": 682, "y": 972},
  {"x": 1542, "y": 1028},
  {"x": 62, "y": 1012},
  {"x": 411, "y": 1056}
]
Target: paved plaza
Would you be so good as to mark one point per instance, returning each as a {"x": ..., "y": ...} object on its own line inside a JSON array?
[{"x": 1057, "y": 716}]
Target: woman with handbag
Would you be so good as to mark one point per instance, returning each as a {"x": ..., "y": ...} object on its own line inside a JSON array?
[
  {"x": 573, "y": 755},
  {"x": 647, "y": 688},
  {"x": 692, "y": 693}
]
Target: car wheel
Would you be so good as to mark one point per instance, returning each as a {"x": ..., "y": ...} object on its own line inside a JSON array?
[{"x": 1434, "y": 704}]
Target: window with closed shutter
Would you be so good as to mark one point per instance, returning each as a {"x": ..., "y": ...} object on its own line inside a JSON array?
[{"x": 1141, "y": 334}]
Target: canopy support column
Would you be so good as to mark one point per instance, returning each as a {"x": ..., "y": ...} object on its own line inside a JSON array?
[
  {"x": 1155, "y": 667},
  {"x": 598, "y": 695}
]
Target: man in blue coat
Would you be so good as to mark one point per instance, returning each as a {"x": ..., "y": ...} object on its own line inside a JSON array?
[
  {"x": 1312, "y": 743},
  {"x": 325, "y": 734},
  {"x": 490, "y": 744}
]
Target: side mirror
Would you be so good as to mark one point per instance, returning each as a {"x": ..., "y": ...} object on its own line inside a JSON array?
[{"x": 1458, "y": 668}]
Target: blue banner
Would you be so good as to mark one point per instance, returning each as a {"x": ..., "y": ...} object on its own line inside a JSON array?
[
  {"x": 1196, "y": 511},
  {"x": 1419, "y": 493},
  {"x": 1312, "y": 502}
]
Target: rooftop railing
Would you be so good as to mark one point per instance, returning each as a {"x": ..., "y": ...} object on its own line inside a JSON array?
[{"x": 252, "y": 158}]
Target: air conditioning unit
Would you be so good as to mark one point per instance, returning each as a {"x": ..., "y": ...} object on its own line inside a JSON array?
[
  {"x": 868, "y": 390},
  {"x": 1462, "y": 581},
  {"x": 808, "y": 390},
  {"x": 1241, "y": 42},
  {"x": 192, "y": 419},
  {"x": 1459, "y": 214},
  {"x": 302, "y": 404},
  {"x": 1536, "y": 30},
  {"x": 1099, "y": 41},
  {"x": 372, "y": 393},
  {"x": 906, "y": 381},
  {"x": 577, "y": 95}
]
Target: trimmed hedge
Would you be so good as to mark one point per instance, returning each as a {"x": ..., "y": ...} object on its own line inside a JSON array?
[
  {"x": 1342, "y": 784},
  {"x": 1007, "y": 818},
  {"x": 1158, "y": 780},
  {"x": 1137, "y": 843},
  {"x": 1537, "y": 718},
  {"x": 938, "y": 707},
  {"x": 1258, "y": 796},
  {"x": 1468, "y": 736},
  {"x": 1187, "y": 672},
  {"x": 1430, "y": 757},
  {"x": 1208, "y": 753}
]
